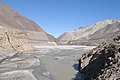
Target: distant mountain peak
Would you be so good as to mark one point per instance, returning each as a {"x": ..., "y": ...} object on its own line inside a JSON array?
[{"x": 108, "y": 21}]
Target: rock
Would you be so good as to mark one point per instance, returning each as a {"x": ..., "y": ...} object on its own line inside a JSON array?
[{"x": 103, "y": 62}]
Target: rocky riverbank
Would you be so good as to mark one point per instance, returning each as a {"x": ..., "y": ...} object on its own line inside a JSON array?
[{"x": 103, "y": 62}]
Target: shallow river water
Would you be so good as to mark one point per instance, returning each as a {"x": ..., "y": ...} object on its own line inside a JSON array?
[{"x": 62, "y": 61}]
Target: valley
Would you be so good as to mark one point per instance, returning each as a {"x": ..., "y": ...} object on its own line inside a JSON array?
[{"x": 27, "y": 52}]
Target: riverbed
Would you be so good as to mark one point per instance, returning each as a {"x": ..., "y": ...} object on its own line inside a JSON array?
[{"x": 46, "y": 63}]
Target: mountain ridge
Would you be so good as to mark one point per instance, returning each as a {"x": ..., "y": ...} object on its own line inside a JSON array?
[{"x": 91, "y": 32}]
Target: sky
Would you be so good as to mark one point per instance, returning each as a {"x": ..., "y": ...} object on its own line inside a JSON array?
[{"x": 59, "y": 16}]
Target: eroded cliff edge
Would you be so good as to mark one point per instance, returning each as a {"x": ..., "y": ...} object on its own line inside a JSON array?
[{"x": 103, "y": 62}]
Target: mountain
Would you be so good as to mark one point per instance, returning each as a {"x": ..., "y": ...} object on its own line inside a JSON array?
[
  {"x": 13, "y": 20},
  {"x": 93, "y": 34}
]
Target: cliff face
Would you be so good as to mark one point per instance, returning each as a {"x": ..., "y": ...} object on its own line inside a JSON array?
[
  {"x": 11, "y": 19},
  {"x": 93, "y": 34},
  {"x": 103, "y": 62}
]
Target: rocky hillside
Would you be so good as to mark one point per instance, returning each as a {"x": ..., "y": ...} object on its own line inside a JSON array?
[
  {"x": 103, "y": 62},
  {"x": 13, "y": 40},
  {"x": 93, "y": 34},
  {"x": 11, "y": 19}
]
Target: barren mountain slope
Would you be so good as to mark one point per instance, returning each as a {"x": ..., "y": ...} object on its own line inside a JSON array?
[
  {"x": 11, "y": 19},
  {"x": 92, "y": 34}
]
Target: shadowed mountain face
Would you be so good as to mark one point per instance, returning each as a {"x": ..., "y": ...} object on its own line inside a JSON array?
[
  {"x": 93, "y": 34},
  {"x": 11, "y": 19}
]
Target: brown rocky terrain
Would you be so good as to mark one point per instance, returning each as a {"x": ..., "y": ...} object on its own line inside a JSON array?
[
  {"x": 103, "y": 62},
  {"x": 93, "y": 34},
  {"x": 13, "y": 40},
  {"x": 36, "y": 35}
]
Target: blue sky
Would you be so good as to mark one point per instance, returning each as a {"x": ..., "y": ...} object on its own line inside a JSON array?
[{"x": 59, "y": 16}]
